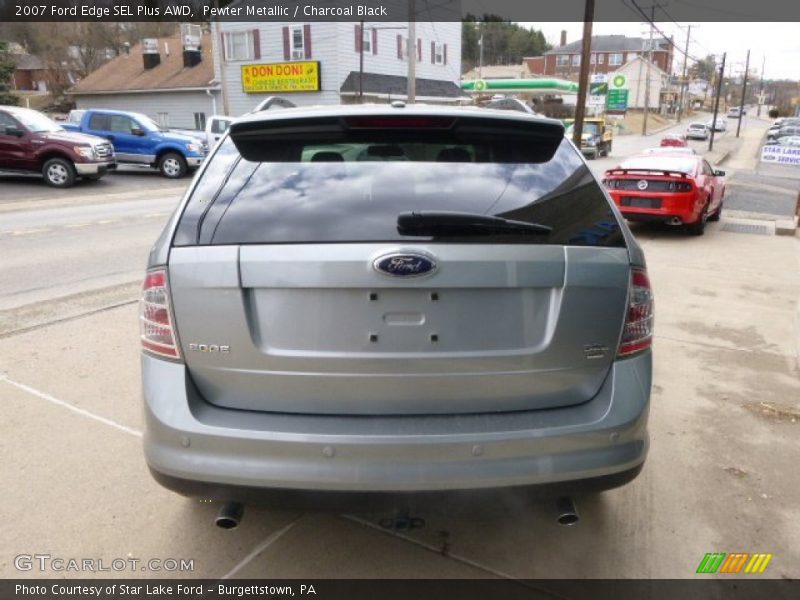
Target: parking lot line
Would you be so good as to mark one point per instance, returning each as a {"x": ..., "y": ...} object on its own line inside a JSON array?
[
  {"x": 29, "y": 231},
  {"x": 271, "y": 539},
  {"x": 431, "y": 548},
  {"x": 67, "y": 405}
]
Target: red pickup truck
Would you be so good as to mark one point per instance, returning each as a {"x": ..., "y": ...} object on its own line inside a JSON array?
[{"x": 32, "y": 143}]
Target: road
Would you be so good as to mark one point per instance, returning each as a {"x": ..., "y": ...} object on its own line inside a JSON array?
[
  {"x": 79, "y": 249},
  {"x": 723, "y": 424}
]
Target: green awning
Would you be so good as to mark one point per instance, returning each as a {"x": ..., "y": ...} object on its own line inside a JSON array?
[{"x": 544, "y": 86}]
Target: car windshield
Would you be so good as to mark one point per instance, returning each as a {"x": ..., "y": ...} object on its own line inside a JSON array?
[
  {"x": 697, "y": 126},
  {"x": 37, "y": 122},
  {"x": 590, "y": 128},
  {"x": 679, "y": 164}
]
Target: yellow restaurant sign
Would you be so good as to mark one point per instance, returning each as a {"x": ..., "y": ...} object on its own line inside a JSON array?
[{"x": 281, "y": 77}]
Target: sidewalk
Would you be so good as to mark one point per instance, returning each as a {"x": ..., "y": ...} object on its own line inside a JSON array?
[{"x": 754, "y": 194}]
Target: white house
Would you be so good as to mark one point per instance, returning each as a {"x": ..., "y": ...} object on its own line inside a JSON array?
[
  {"x": 638, "y": 71},
  {"x": 333, "y": 62}
]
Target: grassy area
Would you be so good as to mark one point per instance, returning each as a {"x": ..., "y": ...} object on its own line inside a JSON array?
[{"x": 632, "y": 123}]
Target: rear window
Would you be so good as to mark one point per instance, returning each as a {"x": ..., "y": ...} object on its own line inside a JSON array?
[{"x": 353, "y": 190}]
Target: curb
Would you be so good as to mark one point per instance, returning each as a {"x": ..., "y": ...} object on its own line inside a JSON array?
[
  {"x": 660, "y": 129},
  {"x": 786, "y": 227}
]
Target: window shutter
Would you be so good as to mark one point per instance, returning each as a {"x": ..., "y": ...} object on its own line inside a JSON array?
[
  {"x": 224, "y": 41},
  {"x": 307, "y": 40},
  {"x": 433, "y": 53},
  {"x": 444, "y": 54},
  {"x": 374, "y": 41},
  {"x": 419, "y": 49},
  {"x": 286, "y": 51},
  {"x": 256, "y": 44},
  {"x": 358, "y": 38},
  {"x": 399, "y": 46}
]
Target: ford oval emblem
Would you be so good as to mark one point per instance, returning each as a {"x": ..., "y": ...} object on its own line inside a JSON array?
[{"x": 405, "y": 265}]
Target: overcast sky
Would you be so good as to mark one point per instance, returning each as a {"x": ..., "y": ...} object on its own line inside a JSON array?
[{"x": 778, "y": 42}]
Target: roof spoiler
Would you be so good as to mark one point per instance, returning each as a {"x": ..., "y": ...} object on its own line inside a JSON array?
[
  {"x": 664, "y": 172},
  {"x": 276, "y": 101}
]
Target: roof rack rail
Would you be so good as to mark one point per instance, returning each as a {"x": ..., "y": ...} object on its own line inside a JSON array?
[{"x": 278, "y": 101}]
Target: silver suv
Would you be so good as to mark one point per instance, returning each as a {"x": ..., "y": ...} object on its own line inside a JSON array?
[{"x": 395, "y": 299}]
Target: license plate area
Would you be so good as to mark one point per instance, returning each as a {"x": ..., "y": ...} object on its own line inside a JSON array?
[
  {"x": 390, "y": 320},
  {"x": 634, "y": 202}
]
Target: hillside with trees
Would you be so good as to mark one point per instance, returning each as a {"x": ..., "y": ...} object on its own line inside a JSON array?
[{"x": 504, "y": 42}]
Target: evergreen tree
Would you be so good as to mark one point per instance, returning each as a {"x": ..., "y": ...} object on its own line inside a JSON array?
[{"x": 6, "y": 72}]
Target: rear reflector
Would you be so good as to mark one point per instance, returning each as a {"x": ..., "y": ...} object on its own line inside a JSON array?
[
  {"x": 637, "y": 334},
  {"x": 155, "y": 321}
]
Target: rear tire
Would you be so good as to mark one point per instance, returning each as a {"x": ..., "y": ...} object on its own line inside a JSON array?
[
  {"x": 172, "y": 165},
  {"x": 717, "y": 213},
  {"x": 59, "y": 173},
  {"x": 699, "y": 227}
]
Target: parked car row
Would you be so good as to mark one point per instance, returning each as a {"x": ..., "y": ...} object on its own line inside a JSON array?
[
  {"x": 91, "y": 143},
  {"x": 782, "y": 128}
]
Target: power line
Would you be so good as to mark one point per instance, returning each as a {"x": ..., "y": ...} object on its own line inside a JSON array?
[
  {"x": 664, "y": 10},
  {"x": 638, "y": 9}
]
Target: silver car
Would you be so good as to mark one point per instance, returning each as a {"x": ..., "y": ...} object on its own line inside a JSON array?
[
  {"x": 393, "y": 299},
  {"x": 698, "y": 131}
]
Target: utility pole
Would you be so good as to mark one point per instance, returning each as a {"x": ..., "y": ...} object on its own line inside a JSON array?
[
  {"x": 683, "y": 77},
  {"x": 647, "y": 75},
  {"x": 411, "y": 46},
  {"x": 761, "y": 86},
  {"x": 361, "y": 64},
  {"x": 480, "y": 54},
  {"x": 223, "y": 79},
  {"x": 744, "y": 91},
  {"x": 583, "y": 78},
  {"x": 716, "y": 102}
]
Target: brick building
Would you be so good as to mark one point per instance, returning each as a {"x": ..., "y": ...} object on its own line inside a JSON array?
[{"x": 608, "y": 54}]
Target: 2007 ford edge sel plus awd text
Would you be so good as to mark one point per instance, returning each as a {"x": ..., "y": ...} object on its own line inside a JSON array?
[{"x": 395, "y": 299}]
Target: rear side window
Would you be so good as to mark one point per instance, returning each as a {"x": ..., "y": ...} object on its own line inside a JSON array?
[
  {"x": 100, "y": 122},
  {"x": 353, "y": 190},
  {"x": 219, "y": 126}
]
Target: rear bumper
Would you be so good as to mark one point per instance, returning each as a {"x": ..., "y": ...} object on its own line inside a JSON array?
[
  {"x": 202, "y": 450},
  {"x": 683, "y": 206},
  {"x": 94, "y": 168}
]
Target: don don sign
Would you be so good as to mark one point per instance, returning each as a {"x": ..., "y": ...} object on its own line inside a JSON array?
[{"x": 281, "y": 77}]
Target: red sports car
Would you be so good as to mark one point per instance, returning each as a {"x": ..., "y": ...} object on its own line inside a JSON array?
[
  {"x": 674, "y": 139},
  {"x": 675, "y": 189}
]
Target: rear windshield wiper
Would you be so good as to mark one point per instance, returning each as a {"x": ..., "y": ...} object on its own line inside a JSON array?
[{"x": 433, "y": 223}]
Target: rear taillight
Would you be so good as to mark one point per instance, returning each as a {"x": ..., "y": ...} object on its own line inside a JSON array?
[
  {"x": 637, "y": 335},
  {"x": 155, "y": 318}
]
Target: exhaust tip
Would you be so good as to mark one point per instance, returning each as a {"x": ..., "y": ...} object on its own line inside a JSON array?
[
  {"x": 567, "y": 514},
  {"x": 229, "y": 516},
  {"x": 568, "y": 519}
]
